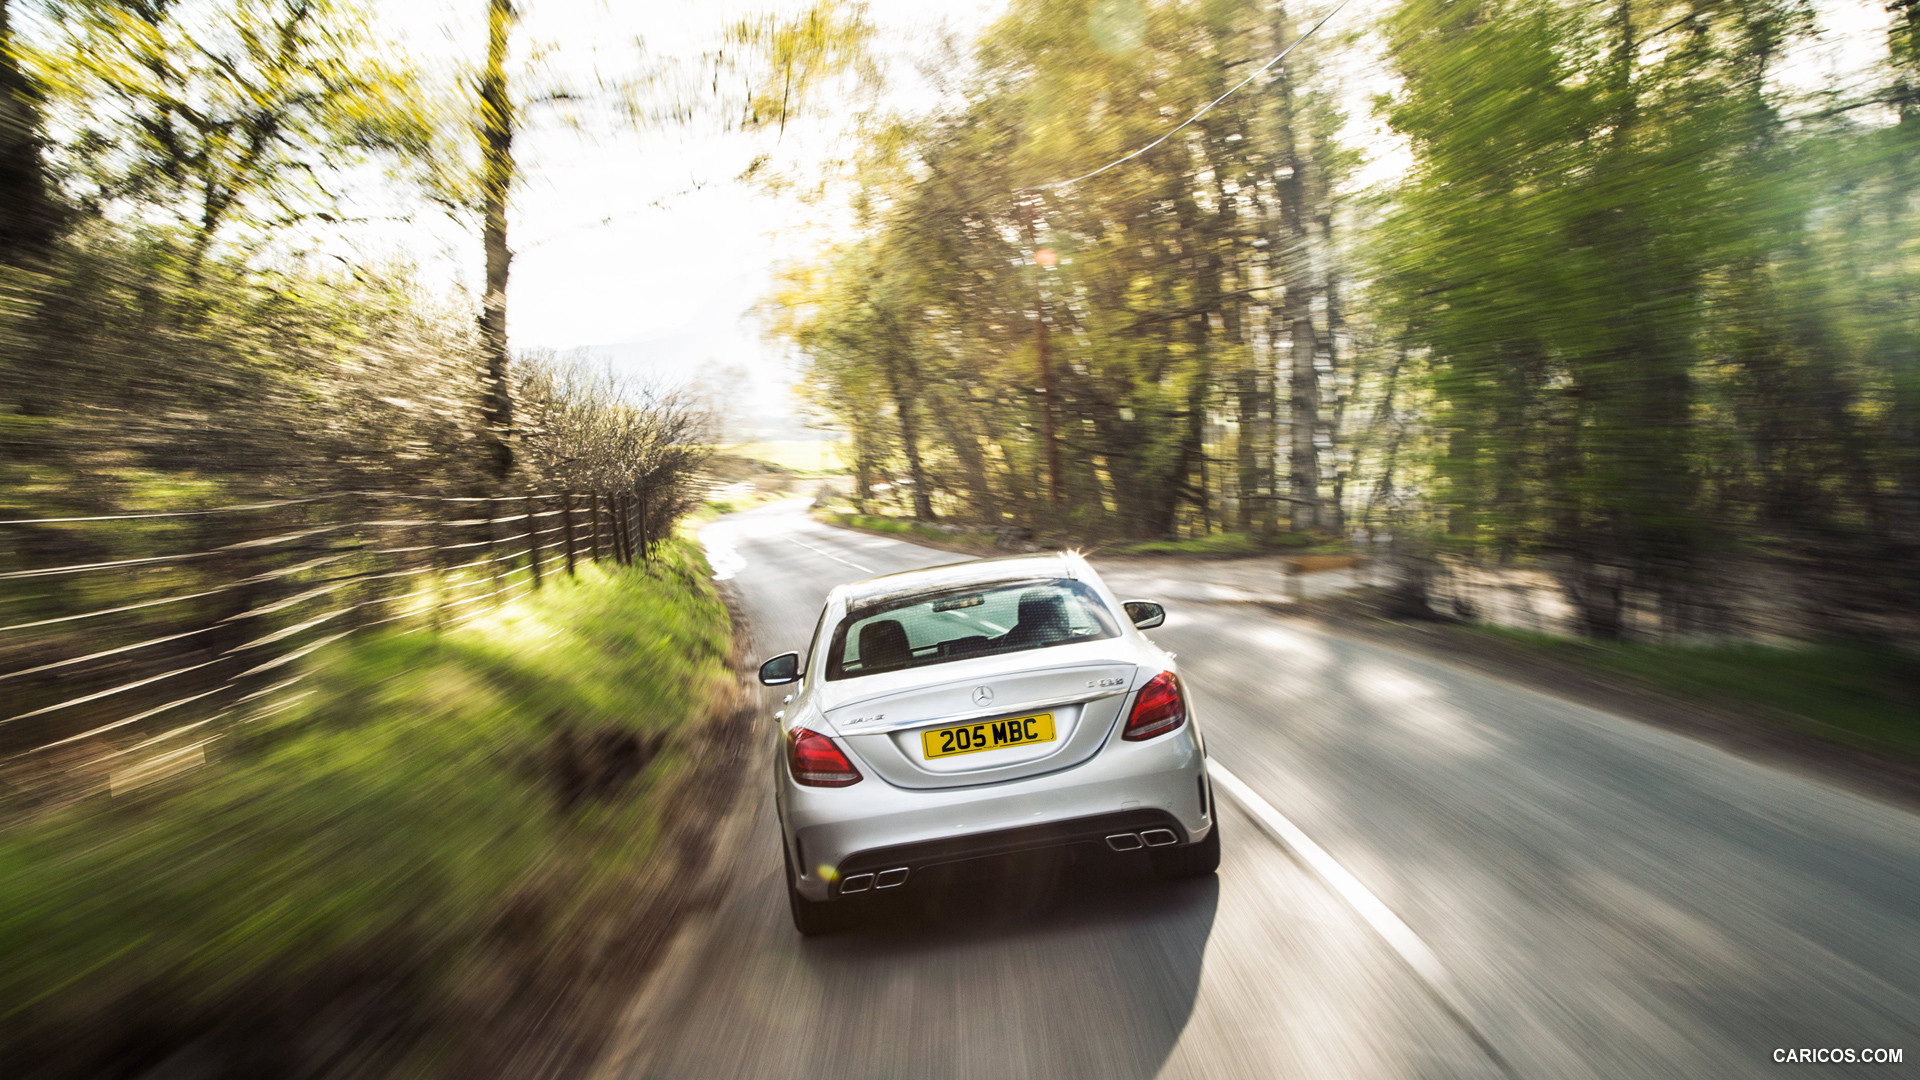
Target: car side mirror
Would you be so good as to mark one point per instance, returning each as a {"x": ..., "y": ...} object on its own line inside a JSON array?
[
  {"x": 1145, "y": 613},
  {"x": 781, "y": 670}
]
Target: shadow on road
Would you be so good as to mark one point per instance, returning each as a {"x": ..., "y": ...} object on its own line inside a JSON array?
[{"x": 1124, "y": 954}]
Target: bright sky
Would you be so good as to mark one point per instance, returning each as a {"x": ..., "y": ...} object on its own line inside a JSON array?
[{"x": 642, "y": 246}]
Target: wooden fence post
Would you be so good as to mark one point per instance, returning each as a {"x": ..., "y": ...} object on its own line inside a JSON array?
[
  {"x": 593, "y": 513},
  {"x": 493, "y": 540},
  {"x": 635, "y": 542},
  {"x": 646, "y": 534},
  {"x": 533, "y": 541},
  {"x": 622, "y": 543},
  {"x": 566, "y": 526}
]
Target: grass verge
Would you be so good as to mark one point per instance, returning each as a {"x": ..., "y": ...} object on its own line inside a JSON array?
[
  {"x": 1859, "y": 694},
  {"x": 952, "y": 538},
  {"x": 1232, "y": 544},
  {"x": 981, "y": 542},
  {"x": 452, "y": 837},
  {"x": 1839, "y": 710}
]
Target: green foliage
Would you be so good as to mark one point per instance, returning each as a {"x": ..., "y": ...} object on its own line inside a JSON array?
[
  {"x": 126, "y": 353},
  {"x": 767, "y": 70},
  {"x": 403, "y": 806},
  {"x": 798, "y": 55},
  {"x": 929, "y": 338},
  {"x": 1645, "y": 300},
  {"x": 224, "y": 118},
  {"x": 1638, "y": 308}
]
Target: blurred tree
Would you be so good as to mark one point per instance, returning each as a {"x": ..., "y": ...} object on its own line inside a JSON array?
[
  {"x": 1154, "y": 341},
  {"x": 781, "y": 61},
  {"x": 231, "y": 120},
  {"x": 1635, "y": 283},
  {"x": 854, "y": 322},
  {"x": 1637, "y": 309}
]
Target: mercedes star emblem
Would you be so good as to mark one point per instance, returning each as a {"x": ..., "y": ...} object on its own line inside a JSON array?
[{"x": 983, "y": 696}]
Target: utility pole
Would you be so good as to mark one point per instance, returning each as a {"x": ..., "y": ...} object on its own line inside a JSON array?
[{"x": 1043, "y": 258}]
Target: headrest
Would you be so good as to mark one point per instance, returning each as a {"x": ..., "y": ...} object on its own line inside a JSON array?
[
  {"x": 1043, "y": 609},
  {"x": 883, "y": 643}
]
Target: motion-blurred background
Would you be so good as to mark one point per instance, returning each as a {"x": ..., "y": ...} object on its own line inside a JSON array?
[{"x": 366, "y": 366}]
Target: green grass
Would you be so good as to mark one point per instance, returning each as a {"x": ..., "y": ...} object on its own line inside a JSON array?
[
  {"x": 880, "y": 523},
  {"x": 1859, "y": 694},
  {"x": 909, "y": 529},
  {"x": 1222, "y": 544},
  {"x": 396, "y": 812}
]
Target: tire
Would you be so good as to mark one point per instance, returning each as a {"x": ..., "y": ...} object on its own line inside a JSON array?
[
  {"x": 810, "y": 917},
  {"x": 1191, "y": 860}
]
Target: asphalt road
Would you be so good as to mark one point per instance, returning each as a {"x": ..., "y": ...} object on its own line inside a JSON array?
[{"x": 1602, "y": 898}]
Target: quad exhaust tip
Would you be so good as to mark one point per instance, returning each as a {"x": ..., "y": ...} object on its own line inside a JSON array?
[
  {"x": 1127, "y": 841},
  {"x": 885, "y": 879}
]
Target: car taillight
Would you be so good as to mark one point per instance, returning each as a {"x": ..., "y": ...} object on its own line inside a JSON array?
[
  {"x": 817, "y": 762},
  {"x": 1158, "y": 710}
]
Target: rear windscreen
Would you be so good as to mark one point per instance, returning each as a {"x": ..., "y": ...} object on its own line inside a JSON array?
[{"x": 914, "y": 631}]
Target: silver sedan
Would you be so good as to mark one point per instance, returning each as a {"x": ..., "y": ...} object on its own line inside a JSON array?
[{"x": 981, "y": 709}]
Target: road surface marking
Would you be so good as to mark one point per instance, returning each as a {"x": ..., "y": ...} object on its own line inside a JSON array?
[
  {"x": 723, "y": 551},
  {"x": 1397, "y": 934},
  {"x": 831, "y": 555}
]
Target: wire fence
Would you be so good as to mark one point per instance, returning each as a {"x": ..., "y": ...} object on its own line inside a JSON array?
[{"x": 128, "y": 642}]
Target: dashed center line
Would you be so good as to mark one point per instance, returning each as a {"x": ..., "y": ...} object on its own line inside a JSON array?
[{"x": 830, "y": 555}]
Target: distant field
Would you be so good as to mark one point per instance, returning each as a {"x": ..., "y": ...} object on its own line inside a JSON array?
[{"x": 800, "y": 455}]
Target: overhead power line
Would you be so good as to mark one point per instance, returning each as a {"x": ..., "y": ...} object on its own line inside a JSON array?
[{"x": 1261, "y": 70}]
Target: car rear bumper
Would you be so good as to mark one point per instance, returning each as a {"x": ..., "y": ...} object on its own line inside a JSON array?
[
  {"x": 837, "y": 834},
  {"x": 924, "y": 854}
]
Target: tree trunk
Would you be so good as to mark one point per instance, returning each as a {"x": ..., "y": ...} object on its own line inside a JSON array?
[
  {"x": 27, "y": 218},
  {"x": 1293, "y": 251},
  {"x": 862, "y": 472},
  {"x": 1332, "y": 513},
  {"x": 1248, "y": 486},
  {"x": 1043, "y": 356},
  {"x": 900, "y": 382},
  {"x": 496, "y": 138},
  {"x": 954, "y": 422},
  {"x": 1901, "y": 347},
  {"x": 1189, "y": 475}
]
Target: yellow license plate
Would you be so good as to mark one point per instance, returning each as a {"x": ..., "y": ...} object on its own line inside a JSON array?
[{"x": 987, "y": 735}]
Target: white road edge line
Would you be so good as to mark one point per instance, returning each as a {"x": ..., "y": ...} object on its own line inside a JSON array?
[
  {"x": 831, "y": 555},
  {"x": 1397, "y": 934}
]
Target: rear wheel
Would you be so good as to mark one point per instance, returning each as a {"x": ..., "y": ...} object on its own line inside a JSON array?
[
  {"x": 1190, "y": 860},
  {"x": 810, "y": 917}
]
